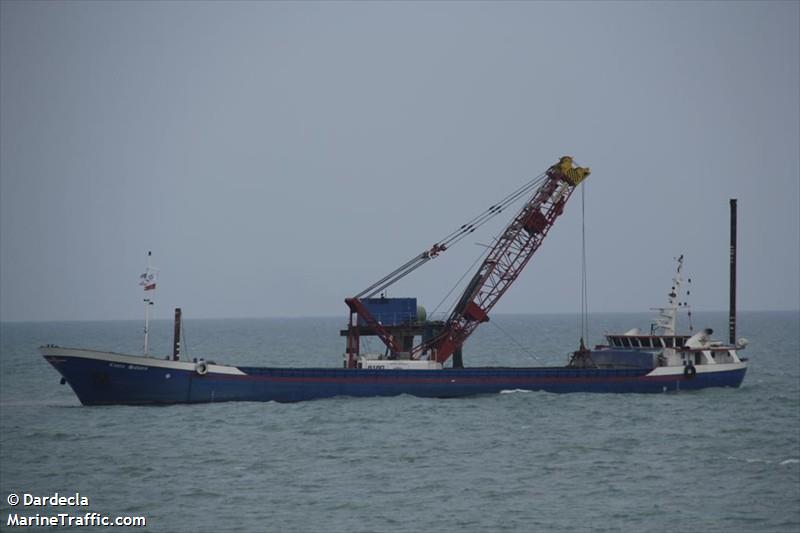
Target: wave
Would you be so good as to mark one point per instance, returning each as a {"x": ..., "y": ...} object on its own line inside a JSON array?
[
  {"x": 40, "y": 403},
  {"x": 765, "y": 461}
]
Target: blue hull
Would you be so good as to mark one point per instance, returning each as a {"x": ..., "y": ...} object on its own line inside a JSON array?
[{"x": 101, "y": 382}]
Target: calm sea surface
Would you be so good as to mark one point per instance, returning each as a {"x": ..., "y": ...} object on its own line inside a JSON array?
[{"x": 724, "y": 460}]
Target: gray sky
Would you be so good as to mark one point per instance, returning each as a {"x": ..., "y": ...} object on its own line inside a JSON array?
[{"x": 277, "y": 157}]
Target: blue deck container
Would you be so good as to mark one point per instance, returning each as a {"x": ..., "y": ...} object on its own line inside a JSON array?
[{"x": 391, "y": 311}]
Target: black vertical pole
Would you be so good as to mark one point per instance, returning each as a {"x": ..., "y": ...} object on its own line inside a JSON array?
[
  {"x": 176, "y": 338},
  {"x": 732, "y": 310},
  {"x": 458, "y": 358}
]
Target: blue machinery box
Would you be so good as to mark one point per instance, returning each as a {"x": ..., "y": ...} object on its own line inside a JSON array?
[{"x": 391, "y": 311}]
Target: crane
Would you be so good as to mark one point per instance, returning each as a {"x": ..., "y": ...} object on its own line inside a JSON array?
[{"x": 507, "y": 257}]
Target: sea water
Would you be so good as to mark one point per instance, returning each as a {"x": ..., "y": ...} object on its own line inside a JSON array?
[{"x": 724, "y": 460}]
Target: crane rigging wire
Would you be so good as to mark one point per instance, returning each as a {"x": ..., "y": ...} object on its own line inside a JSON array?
[
  {"x": 450, "y": 239},
  {"x": 515, "y": 341},
  {"x": 493, "y": 210},
  {"x": 457, "y": 283},
  {"x": 584, "y": 282}
]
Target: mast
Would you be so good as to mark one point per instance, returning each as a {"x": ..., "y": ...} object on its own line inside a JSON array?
[
  {"x": 732, "y": 290},
  {"x": 670, "y": 323},
  {"x": 176, "y": 337},
  {"x": 147, "y": 303},
  {"x": 148, "y": 283}
]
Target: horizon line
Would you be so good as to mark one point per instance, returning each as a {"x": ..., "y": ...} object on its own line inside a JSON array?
[{"x": 298, "y": 317}]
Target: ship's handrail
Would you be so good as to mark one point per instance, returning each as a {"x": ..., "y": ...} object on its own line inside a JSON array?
[{"x": 665, "y": 341}]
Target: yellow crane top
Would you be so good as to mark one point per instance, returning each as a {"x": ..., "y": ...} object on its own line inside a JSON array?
[{"x": 572, "y": 175}]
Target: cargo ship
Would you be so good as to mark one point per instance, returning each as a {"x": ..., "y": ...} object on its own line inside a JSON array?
[{"x": 424, "y": 357}]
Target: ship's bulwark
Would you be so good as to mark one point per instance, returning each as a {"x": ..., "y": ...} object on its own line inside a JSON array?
[{"x": 101, "y": 378}]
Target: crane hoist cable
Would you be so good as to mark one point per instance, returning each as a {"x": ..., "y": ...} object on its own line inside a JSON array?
[{"x": 584, "y": 274}]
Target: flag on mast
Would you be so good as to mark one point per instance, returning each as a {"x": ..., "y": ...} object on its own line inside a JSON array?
[{"x": 148, "y": 279}]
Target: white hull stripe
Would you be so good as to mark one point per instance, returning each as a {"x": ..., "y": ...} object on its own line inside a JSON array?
[
  {"x": 701, "y": 369},
  {"x": 53, "y": 351}
]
